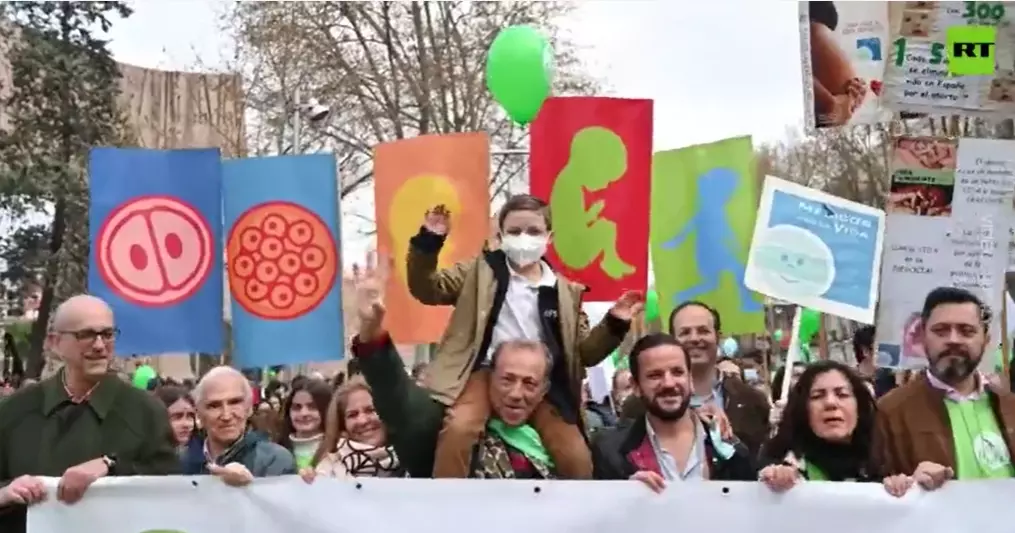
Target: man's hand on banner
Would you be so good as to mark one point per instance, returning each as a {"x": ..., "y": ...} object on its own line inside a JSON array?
[
  {"x": 438, "y": 220},
  {"x": 931, "y": 476},
  {"x": 779, "y": 478},
  {"x": 369, "y": 282},
  {"x": 24, "y": 490},
  {"x": 628, "y": 305},
  {"x": 77, "y": 479},
  {"x": 898, "y": 485},
  {"x": 233, "y": 474},
  {"x": 651, "y": 480}
]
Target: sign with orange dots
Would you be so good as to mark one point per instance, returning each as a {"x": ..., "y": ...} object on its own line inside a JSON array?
[
  {"x": 410, "y": 177},
  {"x": 282, "y": 259}
]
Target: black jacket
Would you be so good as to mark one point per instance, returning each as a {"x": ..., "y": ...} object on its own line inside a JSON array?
[{"x": 612, "y": 454}]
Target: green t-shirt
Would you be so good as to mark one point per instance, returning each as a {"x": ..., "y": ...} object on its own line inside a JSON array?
[{"x": 980, "y": 449}]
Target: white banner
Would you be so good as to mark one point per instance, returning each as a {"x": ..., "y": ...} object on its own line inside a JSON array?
[{"x": 205, "y": 505}]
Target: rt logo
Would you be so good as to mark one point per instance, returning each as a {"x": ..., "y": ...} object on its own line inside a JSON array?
[{"x": 971, "y": 50}]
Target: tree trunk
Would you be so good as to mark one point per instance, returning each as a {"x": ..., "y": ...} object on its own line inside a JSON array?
[{"x": 36, "y": 357}]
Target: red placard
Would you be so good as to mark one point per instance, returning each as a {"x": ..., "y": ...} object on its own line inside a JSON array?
[{"x": 591, "y": 160}]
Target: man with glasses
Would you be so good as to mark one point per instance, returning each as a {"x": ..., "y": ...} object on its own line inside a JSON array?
[{"x": 81, "y": 424}]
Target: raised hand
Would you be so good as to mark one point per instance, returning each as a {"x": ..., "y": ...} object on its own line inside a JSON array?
[
  {"x": 438, "y": 220},
  {"x": 369, "y": 283},
  {"x": 628, "y": 305}
]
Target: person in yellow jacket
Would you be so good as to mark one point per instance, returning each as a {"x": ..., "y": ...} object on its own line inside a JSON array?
[{"x": 510, "y": 294}]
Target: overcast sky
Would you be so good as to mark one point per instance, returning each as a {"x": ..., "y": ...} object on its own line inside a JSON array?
[{"x": 715, "y": 69}]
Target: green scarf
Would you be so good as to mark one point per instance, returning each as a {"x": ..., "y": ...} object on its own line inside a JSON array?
[
  {"x": 814, "y": 473},
  {"x": 523, "y": 438}
]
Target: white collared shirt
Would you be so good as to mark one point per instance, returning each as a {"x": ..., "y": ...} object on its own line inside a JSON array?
[
  {"x": 519, "y": 316},
  {"x": 953, "y": 394},
  {"x": 694, "y": 469}
]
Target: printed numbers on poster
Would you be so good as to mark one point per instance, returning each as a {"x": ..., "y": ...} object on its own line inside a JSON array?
[
  {"x": 992, "y": 11},
  {"x": 937, "y": 52}
]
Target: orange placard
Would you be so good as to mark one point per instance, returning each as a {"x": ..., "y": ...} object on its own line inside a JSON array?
[{"x": 410, "y": 177}]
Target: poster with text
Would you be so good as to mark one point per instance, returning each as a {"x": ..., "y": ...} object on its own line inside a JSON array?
[
  {"x": 949, "y": 217},
  {"x": 843, "y": 47},
  {"x": 916, "y": 71},
  {"x": 816, "y": 250}
]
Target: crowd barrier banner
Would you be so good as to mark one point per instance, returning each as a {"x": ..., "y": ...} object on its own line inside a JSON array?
[{"x": 206, "y": 505}]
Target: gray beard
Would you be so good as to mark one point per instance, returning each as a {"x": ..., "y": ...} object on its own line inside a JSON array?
[{"x": 955, "y": 370}]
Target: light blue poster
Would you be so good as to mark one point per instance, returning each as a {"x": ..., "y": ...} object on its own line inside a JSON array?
[{"x": 816, "y": 250}]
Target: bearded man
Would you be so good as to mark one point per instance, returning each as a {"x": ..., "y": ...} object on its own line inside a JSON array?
[
  {"x": 670, "y": 442},
  {"x": 945, "y": 423}
]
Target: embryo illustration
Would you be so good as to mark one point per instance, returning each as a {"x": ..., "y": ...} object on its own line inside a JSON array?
[{"x": 794, "y": 261}]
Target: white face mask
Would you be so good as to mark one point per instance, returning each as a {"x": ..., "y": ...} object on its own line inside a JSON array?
[{"x": 524, "y": 249}]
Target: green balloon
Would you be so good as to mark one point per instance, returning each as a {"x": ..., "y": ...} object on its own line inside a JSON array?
[
  {"x": 142, "y": 375},
  {"x": 810, "y": 323},
  {"x": 519, "y": 71},
  {"x": 777, "y": 335},
  {"x": 651, "y": 305}
]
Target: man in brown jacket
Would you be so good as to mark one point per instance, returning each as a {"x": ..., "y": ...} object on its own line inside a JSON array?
[
  {"x": 503, "y": 295},
  {"x": 946, "y": 423},
  {"x": 697, "y": 326}
]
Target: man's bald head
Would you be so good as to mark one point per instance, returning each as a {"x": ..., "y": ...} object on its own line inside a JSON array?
[
  {"x": 82, "y": 334},
  {"x": 70, "y": 312}
]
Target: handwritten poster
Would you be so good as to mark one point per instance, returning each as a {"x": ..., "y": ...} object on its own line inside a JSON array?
[
  {"x": 843, "y": 48},
  {"x": 949, "y": 218},
  {"x": 916, "y": 73},
  {"x": 816, "y": 250}
]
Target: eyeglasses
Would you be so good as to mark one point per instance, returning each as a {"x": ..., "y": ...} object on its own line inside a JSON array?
[{"x": 89, "y": 335}]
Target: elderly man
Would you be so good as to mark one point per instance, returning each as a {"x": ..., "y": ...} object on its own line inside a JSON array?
[
  {"x": 519, "y": 380},
  {"x": 82, "y": 423},
  {"x": 224, "y": 401}
]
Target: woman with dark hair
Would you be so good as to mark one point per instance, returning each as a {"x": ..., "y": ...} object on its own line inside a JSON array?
[
  {"x": 302, "y": 419},
  {"x": 182, "y": 417},
  {"x": 826, "y": 433},
  {"x": 355, "y": 439}
]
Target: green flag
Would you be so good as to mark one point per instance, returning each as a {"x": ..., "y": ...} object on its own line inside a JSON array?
[
  {"x": 704, "y": 201},
  {"x": 618, "y": 360}
]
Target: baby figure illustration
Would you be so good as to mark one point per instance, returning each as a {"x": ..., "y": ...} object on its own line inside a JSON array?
[
  {"x": 915, "y": 24},
  {"x": 1002, "y": 88}
]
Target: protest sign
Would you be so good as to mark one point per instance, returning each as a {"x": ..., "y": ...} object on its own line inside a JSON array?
[
  {"x": 156, "y": 255},
  {"x": 412, "y": 176},
  {"x": 703, "y": 210},
  {"x": 816, "y": 250},
  {"x": 591, "y": 161},
  {"x": 843, "y": 46},
  {"x": 206, "y": 505},
  {"x": 917, "y": 77},
  {"x": 283, "y": 246},
  {"x": 948, "y": 222}
]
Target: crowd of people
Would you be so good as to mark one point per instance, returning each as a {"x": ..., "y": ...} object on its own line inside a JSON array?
[{"x": 504, "y": 397}]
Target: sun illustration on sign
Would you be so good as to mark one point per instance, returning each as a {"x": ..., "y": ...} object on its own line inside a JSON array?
[{"x": 405, "y": 214}]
